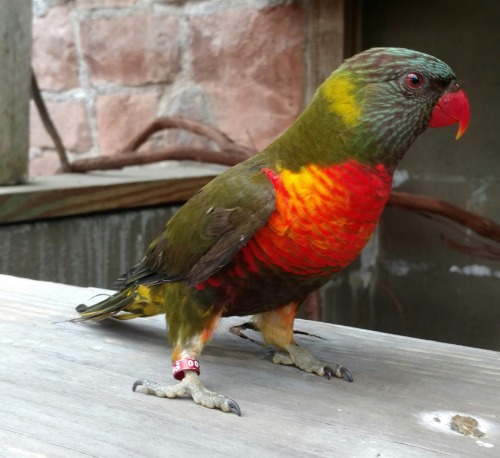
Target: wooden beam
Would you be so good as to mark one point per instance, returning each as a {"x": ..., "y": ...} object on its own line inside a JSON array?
[
  {"x": 15, "y": 57},
  {"x": 324, "y": 41},
  {"x": 75, "y": 194},
  {"x": 333, "y": 32}
]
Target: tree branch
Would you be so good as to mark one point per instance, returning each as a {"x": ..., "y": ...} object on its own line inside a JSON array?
[
  {"x": 419, "y": 203},
  {"x": 176, "y": 122},
  {"x": 180, "y": 153},
  {"x": 48, "y": 124},
  {"x": 230, "y": 153}
]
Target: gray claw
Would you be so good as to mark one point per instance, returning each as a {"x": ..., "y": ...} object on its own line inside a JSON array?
[
  {"x": 137, "y": 383},
  {"x": 234, "y": 407},
  {"x": 346, "y": 375},
  {"x": 328, "y": 373}
]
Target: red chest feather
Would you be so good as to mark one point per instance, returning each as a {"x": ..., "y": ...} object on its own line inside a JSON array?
[{"x": 323, "y": 218}]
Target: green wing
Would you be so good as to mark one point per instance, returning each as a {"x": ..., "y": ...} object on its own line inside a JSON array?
[{"x": 207, "y": 232}]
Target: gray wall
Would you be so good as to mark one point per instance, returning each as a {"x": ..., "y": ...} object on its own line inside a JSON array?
[
  {"x": 419, "y": 286},
  {"x": 90, "y": 250}
]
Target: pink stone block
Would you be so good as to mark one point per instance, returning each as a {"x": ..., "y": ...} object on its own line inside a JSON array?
[
  {"x": 47, "y": 163},
  {"x": 250, "y": 63},
  {"x": 131, "y": 50},
  {"x": 54, "y": 54},
  {"x": 120, "y": 117},
  {"x": 70, "y": 119}
]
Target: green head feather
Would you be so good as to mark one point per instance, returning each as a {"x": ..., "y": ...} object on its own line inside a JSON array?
[{"x": 367, "y": 110}]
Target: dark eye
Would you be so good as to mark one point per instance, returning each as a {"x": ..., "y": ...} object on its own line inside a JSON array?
[{"x": 414, "y": 80}]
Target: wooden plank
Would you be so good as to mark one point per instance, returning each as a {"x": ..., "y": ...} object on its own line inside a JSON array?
[
  {"x": 76, "y": 194},
  {"x": 65, "y": 390},
  {"x": 333, "y": 33},
  {"x": 324, "y": 41},
  {"x": 15, "y": 56}
]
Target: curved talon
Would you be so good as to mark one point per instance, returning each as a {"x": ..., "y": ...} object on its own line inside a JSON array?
[
  {"x": 234, "y": 407},
  {"x": 137, "y": 383},
  {"x": 328, "y": 373},
  {"x": 341, "y": 372},
  {"x": 346, "y": 375}
]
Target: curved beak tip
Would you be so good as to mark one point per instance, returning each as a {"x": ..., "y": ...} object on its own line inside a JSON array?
[
  {"x": 462, "y": 127},
  {"x": 452, "y": 108}
]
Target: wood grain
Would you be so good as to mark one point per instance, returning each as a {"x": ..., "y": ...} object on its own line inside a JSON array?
[
  {"x": 325, "y": 41},
  {"x": 65, "y": 390},
  {"x": 15, "y": 56},
  {"x": 74, "y": 194}
]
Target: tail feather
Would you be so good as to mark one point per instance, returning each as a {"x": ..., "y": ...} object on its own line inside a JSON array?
[
  {"x": 123, "y": 305},
  {"x": 110, "y": 306}
]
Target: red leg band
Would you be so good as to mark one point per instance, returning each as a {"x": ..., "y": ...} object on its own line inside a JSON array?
[{"x": 179, "y": 366}]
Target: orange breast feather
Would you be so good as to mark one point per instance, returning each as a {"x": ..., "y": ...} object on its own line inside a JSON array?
[{"x": 323, "y": 217}]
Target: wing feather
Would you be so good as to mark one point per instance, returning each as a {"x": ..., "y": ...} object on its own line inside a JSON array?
[{"x": 208, "y": 231}]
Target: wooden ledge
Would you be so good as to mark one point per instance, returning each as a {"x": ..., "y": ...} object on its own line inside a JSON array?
[
  {"x": 76, "y": 194},
  {"x": 66, "y": 390}
]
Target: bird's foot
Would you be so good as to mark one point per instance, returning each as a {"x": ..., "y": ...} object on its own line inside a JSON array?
[
  {"x": 190, "y": 385},
  {"x": 305, "y": 360}
]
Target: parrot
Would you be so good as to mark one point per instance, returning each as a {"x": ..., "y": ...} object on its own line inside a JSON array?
[{"x": 261, "y": 236}]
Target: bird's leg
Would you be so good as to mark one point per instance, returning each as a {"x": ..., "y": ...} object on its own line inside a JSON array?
[
  {"x": 190, "y": 385},
  {"x": 276, "y": 327},
  {"x": 186, "y": 368}
]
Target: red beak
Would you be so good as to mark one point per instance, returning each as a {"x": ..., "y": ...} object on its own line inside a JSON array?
[{"x": 451, "y": 108}]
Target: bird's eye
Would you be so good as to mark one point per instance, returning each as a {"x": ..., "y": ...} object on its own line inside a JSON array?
[{"x": 414, "y": 80}]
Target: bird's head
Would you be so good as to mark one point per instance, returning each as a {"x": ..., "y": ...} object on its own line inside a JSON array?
[{"x": 383, "y": 98}]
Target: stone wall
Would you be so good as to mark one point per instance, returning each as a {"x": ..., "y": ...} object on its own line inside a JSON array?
[{"x": 107, "y": 68}]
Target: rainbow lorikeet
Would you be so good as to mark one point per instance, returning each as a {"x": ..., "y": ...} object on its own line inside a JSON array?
[{"x": 261, "y": 236}]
